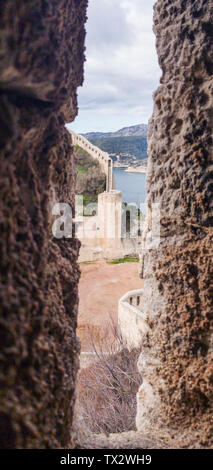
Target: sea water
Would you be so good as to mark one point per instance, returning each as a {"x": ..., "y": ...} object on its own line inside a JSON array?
[{"x": 132, "y": 185}]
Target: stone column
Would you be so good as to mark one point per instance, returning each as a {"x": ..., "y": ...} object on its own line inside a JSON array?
[{"x": 109, "y": 215}]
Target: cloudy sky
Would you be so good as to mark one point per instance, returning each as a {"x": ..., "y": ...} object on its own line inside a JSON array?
[{"x": 121, "y": 69}]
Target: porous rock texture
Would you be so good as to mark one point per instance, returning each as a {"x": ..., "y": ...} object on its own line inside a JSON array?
[
  {"x": 41, "y": 66},
  {"x": 176, "y": 359}
]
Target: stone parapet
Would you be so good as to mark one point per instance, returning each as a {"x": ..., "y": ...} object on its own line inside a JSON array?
[{"x": 131, "y": 318}]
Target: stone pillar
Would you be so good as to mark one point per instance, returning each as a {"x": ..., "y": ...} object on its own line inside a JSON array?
[
  {"x": 176, "y": 358},
  {"x": 109, "y": 215}
]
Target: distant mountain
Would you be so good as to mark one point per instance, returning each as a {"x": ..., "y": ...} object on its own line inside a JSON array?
[
  {"x": 127, "y": 141},
  {"x": 139, "y": 130},
  {"x": 132, "y": 145}
]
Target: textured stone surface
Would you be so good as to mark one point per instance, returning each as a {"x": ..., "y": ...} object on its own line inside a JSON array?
[
  {"x": 124, "y": 440},
  {"x": 41, "y": 63},
  {"x": 154, "y": 439},
  {"x": 177, "y": 286}
]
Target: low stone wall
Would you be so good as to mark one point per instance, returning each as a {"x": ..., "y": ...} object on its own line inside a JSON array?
[{"x": 131, "y": 319}]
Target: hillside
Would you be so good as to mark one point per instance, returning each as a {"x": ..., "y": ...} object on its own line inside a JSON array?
[{"x": 91, "y": 181}]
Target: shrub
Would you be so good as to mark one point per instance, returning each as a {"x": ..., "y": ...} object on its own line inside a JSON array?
[{"x": 107, "y": 388}]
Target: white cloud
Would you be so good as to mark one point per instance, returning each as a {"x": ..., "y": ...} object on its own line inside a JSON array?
[{"x": 121, "y": 71}]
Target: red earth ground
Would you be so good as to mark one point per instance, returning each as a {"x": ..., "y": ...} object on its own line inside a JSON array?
[{"x": 101, "y": 286}]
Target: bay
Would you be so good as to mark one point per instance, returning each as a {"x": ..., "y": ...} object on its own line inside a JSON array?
[{"x": 132, "y": 185}]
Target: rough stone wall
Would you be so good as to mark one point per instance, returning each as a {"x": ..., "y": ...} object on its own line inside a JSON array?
[
  {"x": 176, "y": 360},
  {"x": 41, "y": 65}
]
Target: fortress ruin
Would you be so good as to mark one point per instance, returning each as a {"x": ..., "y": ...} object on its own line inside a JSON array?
[{"x": 101, "y": 235}]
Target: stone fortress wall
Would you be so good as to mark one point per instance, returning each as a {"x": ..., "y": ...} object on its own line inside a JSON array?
[
  {"x": 41, "y": 66},
  {"x": 103, "y": 158},
  {"x": 176, "y": 354}
]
